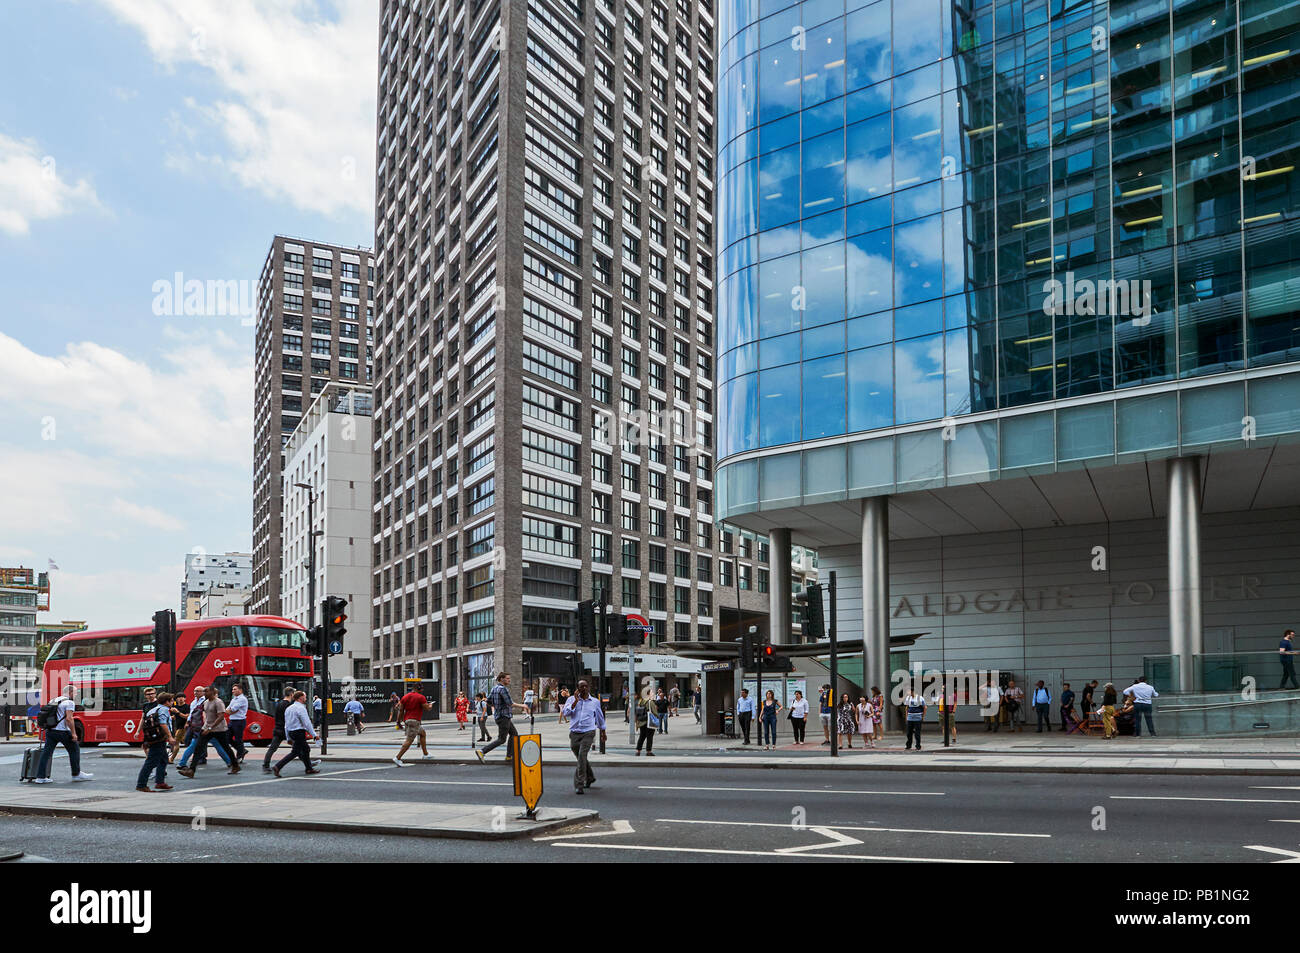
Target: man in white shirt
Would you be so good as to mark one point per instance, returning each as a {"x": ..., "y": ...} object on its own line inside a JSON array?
[
  {"x": 992, "y": 704},
  {"x": 1143, "y": 696},
  {"x": 914, "y": 705},
  {"x": 530, "y": 698},
  {"x": 63, "y": 733},
  {"x": 238, "y": 711},
  {"x": 297, "y": 728}
]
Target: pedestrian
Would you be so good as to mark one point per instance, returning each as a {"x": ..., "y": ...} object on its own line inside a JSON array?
[
  {"x": 1089, "y": 690},
  {"x": 64, "y": 732},
  {"x": 992, "y": 704},
  {"x": 179, "y": 707},
  {"x": 298, "y": 728},
  {"x": 1043, "y": 705},
  {"x": 238, "y": 712},
  {"x": 845, "y": 720},
  {"x": 355, "y": 711},
  {"x": 866, "y": 728},
  {"x": 1285, "y": 651},
  {"x": 645, "y": 733},
  {"x": 767, "y": 719},
  {"x": 395, "y": 710},
  {"x": 1014, "y": 698},
  {"x": 623, "y": 699},
  {"x": 481, "y": 714},
  {"x": 212, "y": 730},
  {"x": 877, "y": 715},
  {"x": 824, "y": 709},
  {"x": 798, "y": 716},
  {"x": 503, "y": 710},
  {"x": 529, "y": 698},
  {"x": 914, "y": 703},
  {"x": 695, "y": 703},
  {"x": 194, "y": 725},
  {"x": 564, "y": 701},
  {"x": 675, "y": 700},
  {"x": 414, "y": 705},
  {"x": 1067, "y": 707},
  {"x": 586, "y": 717},
  {"x": 462, "y": 711},
  {"x": 1143, "y": 695},
  {"x": 662, "y": 705},
  {"x": 745, "y": 712},
  {"x": 1108, "y": 699},
  {"x": 155, "y": 738},
  {"x": 277, "y": 733},
  {"x": 317, "y": 706}
]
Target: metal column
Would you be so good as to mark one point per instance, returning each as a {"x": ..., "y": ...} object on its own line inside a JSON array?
[
  {"x": 875, "y": 601},
  {"x": 778, "y": 613},
  {"x": 1186, "y": 633}
]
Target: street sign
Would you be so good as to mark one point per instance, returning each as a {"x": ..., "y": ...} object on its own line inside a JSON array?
[
  {"x": 639, "y": 623},
  {"x": 528, "y": 773},
  {"x": 336, "y": 647}
]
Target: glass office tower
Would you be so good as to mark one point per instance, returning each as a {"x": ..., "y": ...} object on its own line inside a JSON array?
[{"x": 1008, "y": 243}]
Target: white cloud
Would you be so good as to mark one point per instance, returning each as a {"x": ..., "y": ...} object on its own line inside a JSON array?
[
  {"x": 31, "y": 188},
  {"x": 197, "y": 406},
  {"x": 297, "y": 111},
  {"x": 115, "y": 597},
  {"x": 146, "y": 516}
]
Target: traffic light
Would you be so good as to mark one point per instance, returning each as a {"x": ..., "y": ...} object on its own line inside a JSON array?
[
  {"x": 617, "y": 630},
  {"x": 748, "y": 661},
  {"x": 335, "y": 619},
  {"x": 164, "y": 636},
  {"x": 772, "y": 662},
  {"x": 587, "y": 624},
  {"x": 814, "y": 621},
  {"x": 314, "y": 646}
]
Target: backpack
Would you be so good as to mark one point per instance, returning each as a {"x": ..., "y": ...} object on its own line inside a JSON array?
[
  {"x": 151, "y": 730},
  {"x": 49, "y": 715}
]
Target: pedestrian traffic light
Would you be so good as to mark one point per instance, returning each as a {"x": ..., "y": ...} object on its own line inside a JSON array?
[
  {"x": 774, "y": 662},
  {"x": 814, "y": 622},
  {"x": 587, "y": 624},
  {"x": 164, "y": 636},
  {"x": 335, "y": 628},
  {"x": 617, "y": 630}
]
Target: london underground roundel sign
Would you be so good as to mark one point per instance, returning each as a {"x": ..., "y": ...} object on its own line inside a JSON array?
[{"x": 639, "y": 623}]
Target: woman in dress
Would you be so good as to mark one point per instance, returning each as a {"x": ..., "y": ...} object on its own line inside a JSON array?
[
  {"x": 866, "y": 728},
  {"x": 877, "y": 714},
  {"x": 462, "y": 710},
  {"x": 846, "y": 721}
]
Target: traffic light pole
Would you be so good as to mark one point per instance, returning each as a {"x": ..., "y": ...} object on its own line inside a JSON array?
[
  {"x": 835, "y": 676},
  {"x": 604, "y": 630},
  {"x": 311, "y": 619}
]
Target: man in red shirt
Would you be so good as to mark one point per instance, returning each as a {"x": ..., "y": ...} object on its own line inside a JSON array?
[{"x": 413, "y": 706}]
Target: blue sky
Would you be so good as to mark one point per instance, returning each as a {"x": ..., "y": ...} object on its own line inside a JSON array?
[{"x": 138, "y": 139}]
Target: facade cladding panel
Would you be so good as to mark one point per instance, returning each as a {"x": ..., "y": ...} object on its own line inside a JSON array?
[
  {"x": 932, "y": 213},
  {"x": 314, "y": 303},
  {"x": 544, "y": 275}
]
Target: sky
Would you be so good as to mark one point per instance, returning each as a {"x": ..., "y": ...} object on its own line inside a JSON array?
[{"x": 142, "y": 140}]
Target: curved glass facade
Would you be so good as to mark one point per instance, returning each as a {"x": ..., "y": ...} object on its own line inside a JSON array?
[{"x": 929, "y": 210}]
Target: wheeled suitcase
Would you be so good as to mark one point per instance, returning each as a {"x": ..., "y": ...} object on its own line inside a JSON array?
[{"x": 31, "y": 761}]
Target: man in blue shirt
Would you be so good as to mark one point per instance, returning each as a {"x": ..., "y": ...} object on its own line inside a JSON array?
[
  {"x": 1043, "y": 705},
  {"x": 585, "y": 718},
  {"x": 354, "y": 711},
  {"x": 1286, "y": 649},
  {"x": 745, "y": 712}
]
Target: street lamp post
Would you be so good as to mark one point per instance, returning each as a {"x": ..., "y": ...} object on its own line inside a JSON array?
[{"x": 311, "y": 613}]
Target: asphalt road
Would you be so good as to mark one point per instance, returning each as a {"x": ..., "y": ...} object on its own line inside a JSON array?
[{"x": 730, "y": 814}]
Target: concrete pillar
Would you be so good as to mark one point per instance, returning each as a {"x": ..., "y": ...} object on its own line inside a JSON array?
[
  {"x": 778, "y": 586},
  {"x": 875, "y": 601},
  {"x": 1186, "y": 633}
]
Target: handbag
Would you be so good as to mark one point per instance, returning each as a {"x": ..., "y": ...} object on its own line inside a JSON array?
[{"x": 653, "y": 719}]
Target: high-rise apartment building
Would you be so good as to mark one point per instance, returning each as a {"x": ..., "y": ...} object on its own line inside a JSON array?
[
  {"x": 544, "y": 330},
  {"x": 23, "y": 592},
  {"x": 1009, "y": 325},
  {"x": 314, "y": 305}
]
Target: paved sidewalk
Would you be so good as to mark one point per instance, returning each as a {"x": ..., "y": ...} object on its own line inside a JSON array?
[{"x": 184, "y": 806}]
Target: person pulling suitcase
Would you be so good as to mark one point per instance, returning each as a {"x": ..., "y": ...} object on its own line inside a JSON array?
[{"x": 56, "y": 718}]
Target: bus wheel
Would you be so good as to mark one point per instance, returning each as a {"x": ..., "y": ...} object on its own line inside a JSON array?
[{"x": 81, "y": 737}]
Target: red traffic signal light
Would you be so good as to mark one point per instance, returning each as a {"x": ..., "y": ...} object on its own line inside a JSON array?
[{"x": 768, "y": 651}]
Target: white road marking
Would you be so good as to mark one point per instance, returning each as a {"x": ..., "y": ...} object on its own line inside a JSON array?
[
  {"x": 1292, "y": 857},
  {"x": 270, "y": 780},
  {"x": 1216, "y": 800},
  {"x": 501, "y": 784},
  {"x": 1275, "y": 787},
  {"x": 620, "y": 827},
  {"x": 772, "y": 853},
  {"x": 845, "y": 827},
  {"x": 841, "y": 840},
  {"x": 672, "y": 787}
]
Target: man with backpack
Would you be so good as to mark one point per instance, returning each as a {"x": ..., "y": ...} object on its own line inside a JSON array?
[
  {"x": 915, "y": 705},
  {"x": 212, "y": 728},
  {"x": 1043, "y": 705},
  {"x": 57, "y": 722},
  {"x": 155, "y": 738}
]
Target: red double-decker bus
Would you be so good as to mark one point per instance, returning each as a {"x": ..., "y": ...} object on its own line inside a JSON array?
[{"x": 113, "y": 667}]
